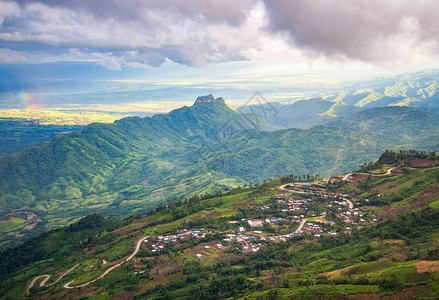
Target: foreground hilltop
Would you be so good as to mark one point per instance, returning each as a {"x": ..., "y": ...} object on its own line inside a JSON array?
[{"x": 369, "y": 233}]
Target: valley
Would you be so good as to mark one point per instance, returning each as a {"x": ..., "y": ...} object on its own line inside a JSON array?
[
  {"x": 136, "y": 164},
  {"x": 338, "y": 237}
]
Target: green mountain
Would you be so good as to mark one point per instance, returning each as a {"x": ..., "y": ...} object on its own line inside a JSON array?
[
  {"x": 133, "y": 165},
  {"x": 417, "y": 90},
  {"x": 412, "y": 89},
  {"x": 395, "y": 121},
  {"x": 300, "y": 114},
  {"x": 365, "y": 235}
]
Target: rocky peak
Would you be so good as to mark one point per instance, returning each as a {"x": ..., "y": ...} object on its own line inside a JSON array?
[{"x": 209, "y": 99}]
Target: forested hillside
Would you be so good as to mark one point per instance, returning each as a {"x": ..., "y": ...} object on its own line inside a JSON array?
[
  {"x": 369, "y": 233},
  {"x": 135, "y": 164}
]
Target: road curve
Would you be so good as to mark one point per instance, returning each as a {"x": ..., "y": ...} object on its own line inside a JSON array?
[
  {"x": 139, "y": 243},
  {"x": 282, "y": 187},
  {"x": 384, "y": 174},
  {"x": 47, "y": 277},
  {"x": 346, "y": 176},
  {"x": 67, "y": 285},
  {"x": 387, "y": 172},
  {"x": 35, "y": 280}
]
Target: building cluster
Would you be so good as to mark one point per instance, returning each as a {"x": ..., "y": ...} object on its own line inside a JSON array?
[
  {"x": 250, "y": 234},
  {"x": 159, "y": 241}
]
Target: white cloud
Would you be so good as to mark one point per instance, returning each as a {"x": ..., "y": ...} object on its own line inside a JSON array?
[
  {"x": 8, "y": 9},
  {"x": 8, "y": 56},
  {"x": 138, "y": 33},
  {"x": 107, "y": 60}
]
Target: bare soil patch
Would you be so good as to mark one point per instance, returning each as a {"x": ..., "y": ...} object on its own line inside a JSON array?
[
  {"x": 359, "y": 178},
  {"x": 423, "y": 163},
  {"x": 244, "y": 203},
  {"x": 164, "y": 268},
  {"x": 391, "y": 212},
  {"x": 124, "y": 295},
  {"x": 395, "y": 256},
  {"x": 428, "y": 195},
  {"x": 384, "y": 186},
  {"x": 427, "y": 266},
  {"x": 335, "y": 273},
  {"x": 405, "y": 294}
]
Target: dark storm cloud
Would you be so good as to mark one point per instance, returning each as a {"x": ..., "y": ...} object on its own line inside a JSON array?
[{"x": 360, "y": 29}]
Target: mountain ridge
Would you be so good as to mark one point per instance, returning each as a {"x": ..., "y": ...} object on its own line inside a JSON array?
[{"x": 135, "y": 164}]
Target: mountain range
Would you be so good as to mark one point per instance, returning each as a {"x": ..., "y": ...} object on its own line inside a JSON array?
[
  {"x": 417, "y": 90},
  {"x": 135, "y": 164}
]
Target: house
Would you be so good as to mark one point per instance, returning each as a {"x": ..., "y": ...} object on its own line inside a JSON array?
[{"x": 198, "y": 256}]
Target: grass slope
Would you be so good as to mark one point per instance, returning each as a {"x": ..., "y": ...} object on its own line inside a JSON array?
[{"x": 396, "y": 256}]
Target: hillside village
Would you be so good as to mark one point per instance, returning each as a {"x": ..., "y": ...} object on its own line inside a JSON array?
[
  {"x": 297, "y": 203},
  {"x": 251, "y": 231}
]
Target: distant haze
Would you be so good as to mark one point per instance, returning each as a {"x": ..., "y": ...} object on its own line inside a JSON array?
[{"x": 106, "y": 51}]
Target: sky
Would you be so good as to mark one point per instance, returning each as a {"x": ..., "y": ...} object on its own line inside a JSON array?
[{"x": 61, "y": 52}]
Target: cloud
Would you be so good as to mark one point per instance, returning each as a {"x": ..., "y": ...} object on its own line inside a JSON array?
[
  {"x": 141, "y": 33},
  {"x": 8, "y": 56},
  {"x": 154, "y": 30},
  {"x": 8, "y": 9},
  {"x": 107, "y": 60},
  {"x": 385, "y": 31}
]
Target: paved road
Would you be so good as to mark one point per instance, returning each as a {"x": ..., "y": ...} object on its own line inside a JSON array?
[
  {"x": 139, "y": 243},
  {"x": 282, "y": 187},
  {"x": 387, "y": 172},
  {"x": 47, "y": 276},
  {"x": 350, "y": 204},
  {"x": 384, "y": 174},
  {"x": 346, "y": 176},
  {"x": 35, "y": 279},
  {"x": 67, "y": 285},
  {"x": 300, "y": 226}
]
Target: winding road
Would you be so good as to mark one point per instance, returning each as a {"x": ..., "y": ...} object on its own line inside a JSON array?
[
  {"x": 68, "y": 285},
  {"x": 47, "y": 276},
  {"x": 384, "y": 174}
]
